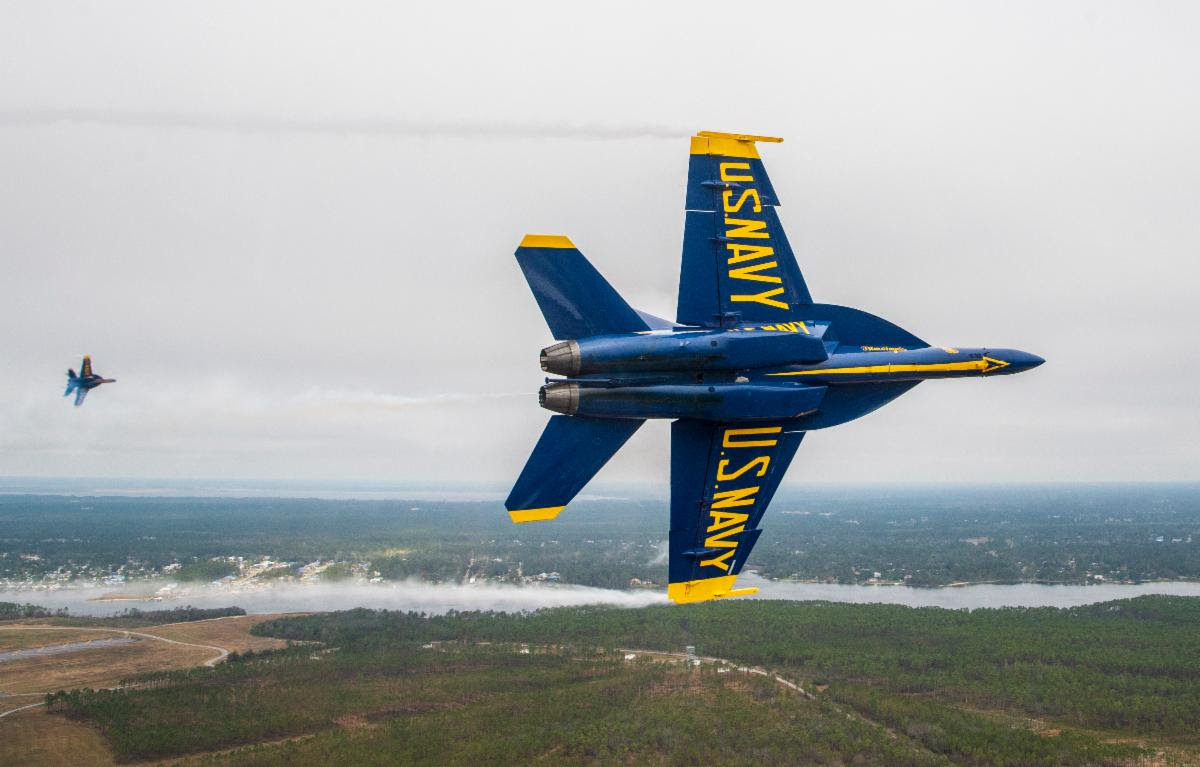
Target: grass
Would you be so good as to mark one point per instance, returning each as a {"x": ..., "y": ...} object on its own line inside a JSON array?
[
  {"x": 18, "y": 637},
  {"x": 103, "y": 667},
  {"x": 36, "y": 739},
  {"x": 107, "y": 667},
  {"x": 231, "y": 633}
]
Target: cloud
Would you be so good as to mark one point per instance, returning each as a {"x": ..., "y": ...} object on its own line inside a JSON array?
[
  {"x": 326, "y": 400},
  {"x": 380, "y": 127}
]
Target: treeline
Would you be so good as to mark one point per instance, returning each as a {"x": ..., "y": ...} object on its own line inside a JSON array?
[
  {"x": 13, "y": 611},
  {"x": 1127, "y": 665},
  {"x": 127, "y": 618},
  {"x": 173, "y": 615}
]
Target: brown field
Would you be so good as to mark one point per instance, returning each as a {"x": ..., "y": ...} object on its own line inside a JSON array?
[
  {"x": 103, "y": 667},
  {"x": 23, "y": 638},
  {"x": 37, "y": 739},
  {"x": 233, "y": 634},
  {"x": 107, "y": 667},
  {"x": 8, "y": 703}
]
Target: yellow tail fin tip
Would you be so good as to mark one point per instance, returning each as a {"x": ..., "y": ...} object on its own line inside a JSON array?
[{"x": 546, "y": 241}]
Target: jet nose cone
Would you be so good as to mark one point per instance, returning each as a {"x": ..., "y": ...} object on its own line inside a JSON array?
[
  {"x": 1020, "y": 361},
  {"x": 1009, "y": 361}
]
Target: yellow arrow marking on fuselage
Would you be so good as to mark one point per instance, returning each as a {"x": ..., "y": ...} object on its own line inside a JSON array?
[
  {"x": 984, "y": 365},
  {"x": 993, "y": 365}
]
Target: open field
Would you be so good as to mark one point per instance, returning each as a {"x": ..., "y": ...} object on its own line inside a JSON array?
[
  {"x": 32, "y": 737},
  {"x": 21, "y": 637},
  {"x": 35, "y": 739},
  {"x": 158, "y": 648},
  {"x": 103, "y": 667},
  {"x": 232, "y": 634}
]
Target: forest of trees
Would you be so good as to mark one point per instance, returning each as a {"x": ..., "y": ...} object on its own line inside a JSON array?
[
  {"x": 1128, "y": 665},
  {"x": 918, "y": 536},
  {"x": 893, "y": 686}
]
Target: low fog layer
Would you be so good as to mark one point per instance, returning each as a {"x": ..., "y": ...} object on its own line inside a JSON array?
[
  {"x": 968, "y": 597},
  {"x": 412, "y": 595},
  {"x": 437, "y": 598}
]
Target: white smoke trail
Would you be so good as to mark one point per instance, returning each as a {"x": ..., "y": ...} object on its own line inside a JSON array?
[
  {"x": 364, "y": 400},
  {"x": 383, "y": 127}
]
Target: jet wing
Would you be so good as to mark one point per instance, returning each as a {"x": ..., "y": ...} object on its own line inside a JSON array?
[
  {"x": 723, "y": 476},
  {"x": 736, "y": 257},
  {"x": 80, "y": 394},
  {"x": 85, "y": 369}
]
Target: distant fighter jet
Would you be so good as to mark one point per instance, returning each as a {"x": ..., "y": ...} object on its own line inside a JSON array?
[
  {"x": 749, "y": 366},
  {"x": 84, "y": 382}
]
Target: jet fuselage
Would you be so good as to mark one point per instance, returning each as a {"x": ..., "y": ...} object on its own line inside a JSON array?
[{"x": 712, "y": 374}]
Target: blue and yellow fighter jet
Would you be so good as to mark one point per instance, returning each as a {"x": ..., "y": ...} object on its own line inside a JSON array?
[
  {"x": 84, "y": 382},
  {"x": 749, "y": 366}
]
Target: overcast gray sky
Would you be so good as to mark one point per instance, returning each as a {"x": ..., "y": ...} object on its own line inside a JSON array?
[{"x": 287, "y": 228}]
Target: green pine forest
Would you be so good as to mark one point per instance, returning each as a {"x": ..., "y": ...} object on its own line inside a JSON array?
[{"x": 1116, "y": 683}]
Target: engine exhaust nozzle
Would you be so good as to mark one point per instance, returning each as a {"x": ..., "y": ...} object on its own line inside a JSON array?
[
  {"x": 562, "y": 358},
  {"x": 560, "y": 397}
]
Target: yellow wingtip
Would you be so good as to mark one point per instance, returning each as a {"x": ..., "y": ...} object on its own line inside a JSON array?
[
  {"x": 535, "y": 515},
  {"x": 739, "y": 136},
  {"x": 740, "y": 145},
  {"x": 546, "y": 241},
  {"x": 685, "y": 592}
]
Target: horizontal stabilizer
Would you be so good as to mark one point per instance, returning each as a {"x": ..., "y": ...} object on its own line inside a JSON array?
[
  {"x": 575, "y": 300},
  {"x": 570, "y": 452}
]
